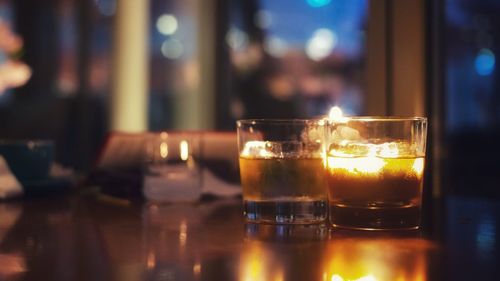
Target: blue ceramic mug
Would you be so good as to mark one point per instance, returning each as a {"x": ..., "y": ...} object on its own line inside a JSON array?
[{"x": 28, "y": 159}]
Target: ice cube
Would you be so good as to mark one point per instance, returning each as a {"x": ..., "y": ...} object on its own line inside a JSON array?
[
  {"x": 254, "y": 149},
  {"x": 399, "y": 148},
  {"x": 283, "y": 149},
  {"x": 380, "y": 149},
  {"x": 352, "y": 149},
  {"x": 261, "y": 149},
  {"x": 389, "y": 150},
  {"x": 291, "y": 148},
  {"x": 274, "y": 149},
  {"x": 312, "y": 134},
  {"x": 347, "y": 133},
  {"x": 344, "y": 133}
]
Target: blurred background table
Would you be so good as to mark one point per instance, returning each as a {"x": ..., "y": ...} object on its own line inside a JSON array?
[{"x": 90, "y": 237}]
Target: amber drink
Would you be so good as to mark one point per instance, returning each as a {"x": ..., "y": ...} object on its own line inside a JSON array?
[
  {"x": 375, "y": 173},
  {"x": 283, "y": 178}
]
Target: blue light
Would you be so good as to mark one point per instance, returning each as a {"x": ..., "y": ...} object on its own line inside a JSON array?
[
  {"x": 485, "y": 62},
  {"x": 318, "y": 3}
]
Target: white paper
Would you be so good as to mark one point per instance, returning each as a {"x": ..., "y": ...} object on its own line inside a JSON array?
[{"x": 215, "y": 186}]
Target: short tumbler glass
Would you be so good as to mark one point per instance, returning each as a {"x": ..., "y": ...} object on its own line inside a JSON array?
[
  {"x": 282, "y": 171},
  {"x": 375, "y": 171},
  {"x": 172, "y": 170}
]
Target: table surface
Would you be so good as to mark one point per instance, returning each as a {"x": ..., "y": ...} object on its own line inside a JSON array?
[{"x": 89, "y": 237}]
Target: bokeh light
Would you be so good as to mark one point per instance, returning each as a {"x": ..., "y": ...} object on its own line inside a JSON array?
[
  {"x": 106, "y": 7},
  {"x": 172, "y": 49},
  {"x": 237, "y": 39},
  {"x": 318, "y": 3},
  {"x": 263, "y": 19},
  {"x": 485, "y": 62},
  {"x": 321, "y": 44},
  {"x": 485, "y": 237},
  {"x": 167, "y": 24},
  {"x": 275, "y": 46}
]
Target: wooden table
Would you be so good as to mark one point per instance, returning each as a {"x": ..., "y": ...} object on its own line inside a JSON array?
[{"x": 86, "y": 237}]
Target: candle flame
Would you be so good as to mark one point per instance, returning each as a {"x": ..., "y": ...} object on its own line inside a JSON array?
[
  {"x": 184, "y": 150},
  {"x": 336, "y": 114},
  {"x": 163, "y": 150},
  {"x": 163, "y": 145}
]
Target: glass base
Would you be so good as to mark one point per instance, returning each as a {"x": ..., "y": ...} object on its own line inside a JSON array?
[
  {"x": 285, "y": 211},
  {"x": 286, "y": 232},
  {"x": 375, "y": 217}
]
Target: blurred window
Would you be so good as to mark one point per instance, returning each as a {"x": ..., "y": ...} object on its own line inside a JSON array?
[
  {"x": 472, "y": 76},
  {"x": 296, "y": 59},
  {"x": 472, "y": 95},
  {"x": 174, "y": 63},
  {"x": 274, "y": 58}
]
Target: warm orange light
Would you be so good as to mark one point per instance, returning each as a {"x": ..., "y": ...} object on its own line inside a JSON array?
[
  {"x": 257, "y": 265},
  {"x": 197, "y": 269},
  {"x": 151, "y": 260},
  {"x": 418, "y": 166},
  {"x": 376, "y": 260},
  {"x": 183, "y": 233},
  {"x": 163, "y": 145},
  {"x": 367, "y": 278},
  {"x": 373, "y": 159},
  {"x": 364, "y": 165},
  {"x": 253, "y": 264},
  {"x": 163, "y": 150},
  {"x": 389, "y": 150}
]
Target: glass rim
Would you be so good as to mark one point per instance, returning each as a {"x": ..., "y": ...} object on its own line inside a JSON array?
[
  {"x": 276, "y": 121},
  {"x": 380, "y": 118},
  {"x": 343, "y": 119}
]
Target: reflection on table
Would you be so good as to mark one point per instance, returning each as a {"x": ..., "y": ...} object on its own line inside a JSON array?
[{"x": 91, "y": 238}]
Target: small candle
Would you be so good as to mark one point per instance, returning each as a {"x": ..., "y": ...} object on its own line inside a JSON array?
[
  {"x": 383, "y": 175},
  {"x": 374, "y": 168}
]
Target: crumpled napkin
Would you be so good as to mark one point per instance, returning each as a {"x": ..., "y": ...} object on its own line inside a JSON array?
[
  {"x": 217, "y": 187},
  {"x": 185, "y": 187},
  {"x": 9, "y": 185}
]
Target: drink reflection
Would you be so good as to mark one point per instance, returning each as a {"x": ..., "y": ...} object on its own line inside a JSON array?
[
  {"x": 259, "y": 262},
  {"x": 171, "y": 251},
  {"x": 278, "y": 252},
  {"x": 13, "y": 264},
  {"x": 375, "y": 258},
  {"x": 286, "y": 233},
  {"x": 178, "y": 236}
]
